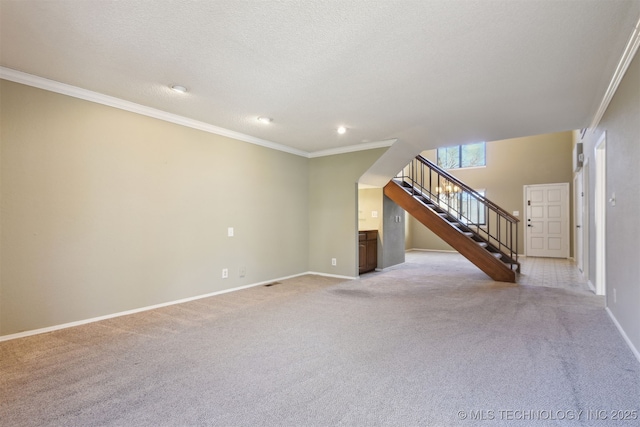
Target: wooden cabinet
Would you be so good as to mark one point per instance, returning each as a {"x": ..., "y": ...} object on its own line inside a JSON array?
[{"x": 368, "y": 250}]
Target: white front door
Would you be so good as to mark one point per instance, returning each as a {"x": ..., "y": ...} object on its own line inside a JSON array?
[{"x": 547, "y": 220}]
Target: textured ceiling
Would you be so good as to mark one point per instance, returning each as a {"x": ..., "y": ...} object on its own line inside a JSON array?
[{"x": 425, "y": 72}]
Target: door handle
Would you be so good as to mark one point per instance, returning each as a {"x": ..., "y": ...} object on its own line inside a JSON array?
[
  {"x": 529, "y": 225},
  {"x": 578, "y": 226}
]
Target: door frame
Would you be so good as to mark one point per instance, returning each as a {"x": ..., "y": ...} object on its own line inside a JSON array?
[
  {"x": 566, "y": 216},
  {"x": 578, "y": 220},
  {"x": 586, "y": 225},
  {"x": 600, "y": 211}
]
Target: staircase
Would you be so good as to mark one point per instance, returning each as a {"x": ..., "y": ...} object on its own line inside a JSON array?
[{"x": 477, "y": 228}]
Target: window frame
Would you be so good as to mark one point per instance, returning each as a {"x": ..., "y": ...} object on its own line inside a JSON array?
[
  {"x": 460, "y": 151},
  {"x": 455, "y": 204},
  {"x": 481, "y": 210}
]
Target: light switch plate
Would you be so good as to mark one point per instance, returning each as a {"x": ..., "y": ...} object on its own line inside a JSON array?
[{"x": 230, "y": 231}]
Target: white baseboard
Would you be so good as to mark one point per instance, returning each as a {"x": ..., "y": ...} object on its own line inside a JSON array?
[
  {"x": 336, "y": 276},
  {"x": 152, "y": 307},
  {"x": 634, "y": 350},
  {"x": 391, "y": 267}
]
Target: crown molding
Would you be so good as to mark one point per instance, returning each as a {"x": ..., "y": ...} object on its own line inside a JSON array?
[
  {"x": 87, "y": 95},
  {"x": 99, "y": 98},
  {"x": 353, "y": 148},
  {"x": 627, "y": 56}
]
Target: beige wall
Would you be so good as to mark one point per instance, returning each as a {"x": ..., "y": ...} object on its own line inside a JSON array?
[
  {"x": 370, "y": 200},
  {"x": 333, "y": 210},
  {"x": 104, "y": 211},
  {"x": 511, "y": 164},
  {"x": 621, "y": 124}
]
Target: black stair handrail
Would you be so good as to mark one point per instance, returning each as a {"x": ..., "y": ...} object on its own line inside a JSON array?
[
  {"x": 467, "y": 188},
  {"x": 491, "y": 222}
]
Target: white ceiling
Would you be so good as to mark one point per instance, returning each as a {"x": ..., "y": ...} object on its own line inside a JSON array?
[{"x": 428, "y": 72}]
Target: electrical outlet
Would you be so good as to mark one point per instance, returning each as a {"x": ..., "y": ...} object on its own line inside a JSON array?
[
  {"x": 225, "y": 273},
  {"x": 242, "y": 271},
  {"x": 230, "y": 231},
  {"x": 334, "y": 262}
]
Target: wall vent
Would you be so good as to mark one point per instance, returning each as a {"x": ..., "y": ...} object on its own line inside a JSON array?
[{"x": 271, "y": 284}]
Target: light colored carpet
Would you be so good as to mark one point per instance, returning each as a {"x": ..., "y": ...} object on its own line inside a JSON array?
[{"x": 430, "y": 343}]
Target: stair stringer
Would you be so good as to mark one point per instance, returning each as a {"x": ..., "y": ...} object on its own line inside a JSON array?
[{"x": 466, "y": 246}]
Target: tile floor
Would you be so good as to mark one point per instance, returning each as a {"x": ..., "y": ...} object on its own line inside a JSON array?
[
  {"x": 552, "y": 272},
  {"x": 548, "y": 272}
]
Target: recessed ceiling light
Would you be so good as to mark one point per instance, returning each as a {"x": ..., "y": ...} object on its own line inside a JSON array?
[
  {"x": 342, "y": 130},
  {"x": 179, "y": 89},
  {"x": 265, "y": 120}
]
